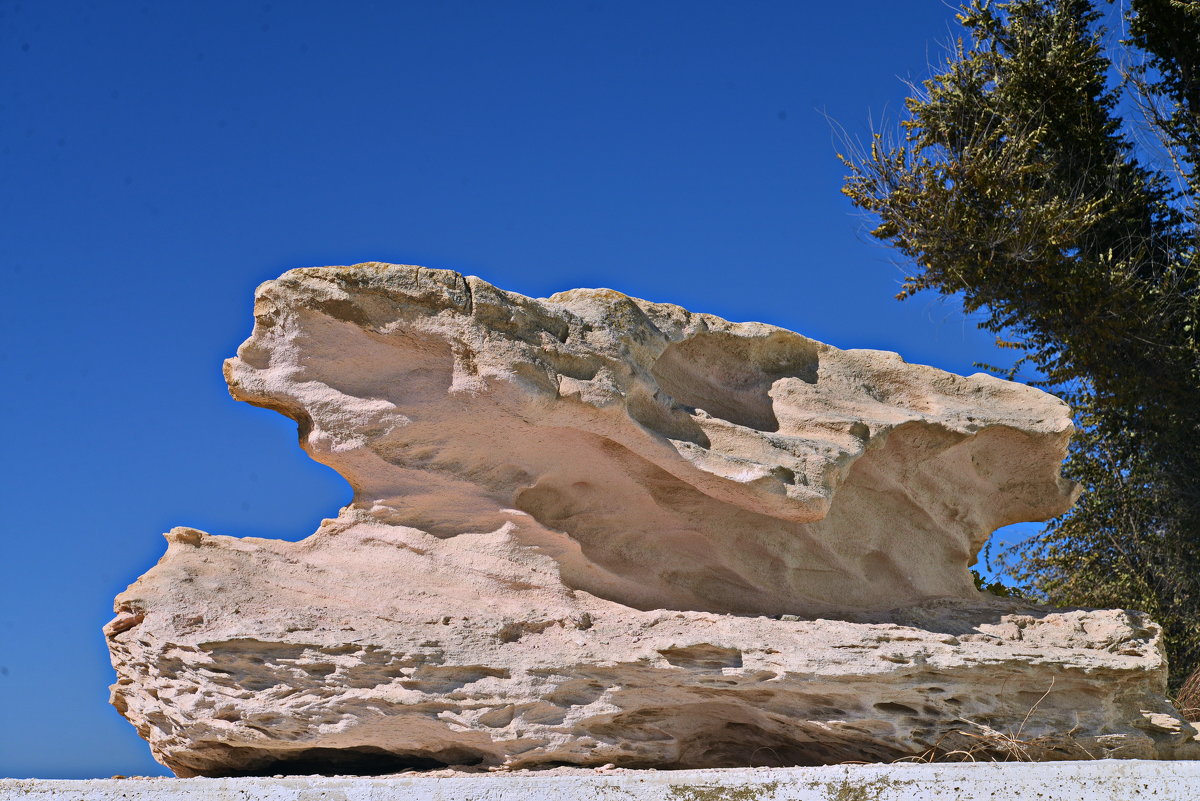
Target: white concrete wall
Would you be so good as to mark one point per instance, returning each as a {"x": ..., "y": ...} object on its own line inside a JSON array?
[{"x": 1104, "y": 780}]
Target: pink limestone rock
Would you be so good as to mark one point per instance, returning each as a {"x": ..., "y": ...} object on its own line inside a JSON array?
[{"x": 592, "y": 529}]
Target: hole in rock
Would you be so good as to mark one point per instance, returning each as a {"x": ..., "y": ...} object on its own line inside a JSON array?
[
  {"x": 720, "y": 735},
  {"x": 745, "y": 744},
  {"x": 989, "y": 566},
  {"x": 362, "y": 760},
  {"x": 895, "y": 709},
  {"x": 704, "y": 656},
  {"x": 730, "y": 376}
]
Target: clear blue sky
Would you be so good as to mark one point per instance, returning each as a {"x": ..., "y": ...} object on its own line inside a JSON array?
[{"x": 159, "y": 160}]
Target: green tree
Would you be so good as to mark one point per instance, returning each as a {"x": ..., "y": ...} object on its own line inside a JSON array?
[{"x": 1016, "y": 185}]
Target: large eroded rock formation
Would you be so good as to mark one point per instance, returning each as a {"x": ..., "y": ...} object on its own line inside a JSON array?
[{"x": 593, "y": 529}]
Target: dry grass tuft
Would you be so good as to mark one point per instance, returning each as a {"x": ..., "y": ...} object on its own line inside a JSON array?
[
  {"x": 1188, "y": 699},
  {"x": 982, "y": 743}
]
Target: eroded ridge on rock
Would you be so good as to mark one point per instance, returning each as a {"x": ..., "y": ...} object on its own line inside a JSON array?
[{"x": 574, "y": 520}]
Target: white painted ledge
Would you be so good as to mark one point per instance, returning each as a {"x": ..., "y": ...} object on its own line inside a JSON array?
[{"x": 1104, "y": 780}]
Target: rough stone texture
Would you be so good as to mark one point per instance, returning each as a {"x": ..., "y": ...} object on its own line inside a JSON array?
[
  {"x": 1109, "y": 780},
  {"x": 593, "y": 529}
]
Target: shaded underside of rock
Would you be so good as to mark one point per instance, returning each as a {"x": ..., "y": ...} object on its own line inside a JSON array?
[{"x": 577, "y": 523}]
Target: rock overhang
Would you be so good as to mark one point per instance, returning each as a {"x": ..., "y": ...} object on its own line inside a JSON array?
[{"x": 461, "y": 400}]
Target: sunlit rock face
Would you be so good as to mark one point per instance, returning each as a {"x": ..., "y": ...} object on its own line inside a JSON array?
[{"x": 592, "y": 529}]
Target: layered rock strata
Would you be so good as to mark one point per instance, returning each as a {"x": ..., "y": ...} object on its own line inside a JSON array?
[{"x": 594, "y": 529}]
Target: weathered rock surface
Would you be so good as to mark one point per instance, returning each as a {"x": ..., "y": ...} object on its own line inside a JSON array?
[{"x": 594, "y": 529}]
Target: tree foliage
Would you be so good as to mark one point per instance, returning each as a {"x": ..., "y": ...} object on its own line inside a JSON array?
[{"x": 1016, "y": 184}]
